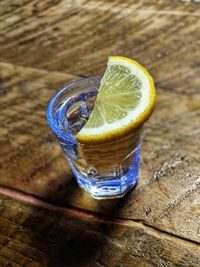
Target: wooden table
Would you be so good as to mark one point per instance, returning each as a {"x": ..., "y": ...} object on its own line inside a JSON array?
[{"x": 46, "y": 219}]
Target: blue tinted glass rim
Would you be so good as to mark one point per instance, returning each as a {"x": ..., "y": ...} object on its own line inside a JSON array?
[{"x": 49, "y": 114}]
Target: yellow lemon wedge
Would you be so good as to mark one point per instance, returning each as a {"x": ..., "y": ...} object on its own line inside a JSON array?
[{"x": 125, "y": 100}]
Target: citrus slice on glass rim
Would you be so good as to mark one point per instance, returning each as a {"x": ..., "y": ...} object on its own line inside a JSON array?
[{"x": 125, "y": 100}]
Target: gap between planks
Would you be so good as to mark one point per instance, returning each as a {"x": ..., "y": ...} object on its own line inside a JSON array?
[{"x": 92, "y": 216}]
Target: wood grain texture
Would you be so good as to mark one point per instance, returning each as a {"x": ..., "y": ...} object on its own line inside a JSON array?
[
  {"x": 27, "y": 145},
  {"x": 167, "y": 196},
  {"x": 77, "y": 36},
  {"x": 32, "y": 236},
  {"x": 70, "y": 39}
]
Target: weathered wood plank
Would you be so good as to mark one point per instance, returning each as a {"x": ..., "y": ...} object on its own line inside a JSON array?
[
  {"x": 77, "y": 36},
  {"x": 167, "y": 196},
  {"x": 27, "y": 145},
  {"x": 35, "y": 236}
]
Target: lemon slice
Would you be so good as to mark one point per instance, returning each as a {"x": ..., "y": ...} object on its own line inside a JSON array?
[{"x": 125, "y": 100}]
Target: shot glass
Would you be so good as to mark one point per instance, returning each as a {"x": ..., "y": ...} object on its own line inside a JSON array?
[{"x": 105, "y": 170}]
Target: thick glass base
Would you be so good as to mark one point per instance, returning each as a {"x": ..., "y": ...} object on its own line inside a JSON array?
[
  {"x": 103, "y": 187},
  {"x": 111, "y": 189}
]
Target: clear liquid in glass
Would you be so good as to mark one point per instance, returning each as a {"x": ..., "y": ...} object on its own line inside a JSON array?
[{"x": 106, "y": 170}]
